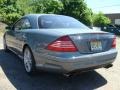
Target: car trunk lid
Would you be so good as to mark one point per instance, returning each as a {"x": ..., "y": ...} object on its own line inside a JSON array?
[{"x": 92, "y": 42}]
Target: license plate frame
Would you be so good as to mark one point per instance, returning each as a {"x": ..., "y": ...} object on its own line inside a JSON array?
[{"x": 96, "y": 45}]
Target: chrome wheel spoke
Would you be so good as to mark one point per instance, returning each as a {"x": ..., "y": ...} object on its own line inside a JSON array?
[{"x": 27, "y": 60}]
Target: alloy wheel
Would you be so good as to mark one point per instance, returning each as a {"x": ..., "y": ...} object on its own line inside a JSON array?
[{"x": 27, "y": 60}]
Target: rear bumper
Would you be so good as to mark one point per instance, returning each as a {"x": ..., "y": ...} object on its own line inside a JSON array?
[{"x": 80, "y": 62}]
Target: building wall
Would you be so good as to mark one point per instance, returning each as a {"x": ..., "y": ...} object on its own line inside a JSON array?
[{"x": 113, "y": 17}]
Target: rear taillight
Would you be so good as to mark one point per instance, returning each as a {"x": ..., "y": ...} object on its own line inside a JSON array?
[
  {"x": 62, "y": 44},
  {"x": 114, "y": 42}
]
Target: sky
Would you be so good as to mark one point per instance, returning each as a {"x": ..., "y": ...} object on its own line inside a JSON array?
[{"x": 105, "y": 6}]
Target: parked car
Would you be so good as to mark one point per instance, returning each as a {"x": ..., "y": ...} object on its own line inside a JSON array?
[
  {"x": 59, "y": 44},
  {"x": 112, "y": 29}
]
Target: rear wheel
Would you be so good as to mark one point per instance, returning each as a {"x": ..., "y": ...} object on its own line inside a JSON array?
[{"x": 29, "y": 62}]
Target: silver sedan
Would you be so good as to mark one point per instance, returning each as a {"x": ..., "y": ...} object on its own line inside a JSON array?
[{"x": 59, "y": 43}]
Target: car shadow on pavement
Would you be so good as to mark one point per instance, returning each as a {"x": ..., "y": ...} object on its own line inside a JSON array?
[{"x": 13, "y": 68}]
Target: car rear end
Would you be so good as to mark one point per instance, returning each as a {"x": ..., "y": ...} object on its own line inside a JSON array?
[
  {"x": 79, "y": 51},
  {"x": 76, "y": 49}
]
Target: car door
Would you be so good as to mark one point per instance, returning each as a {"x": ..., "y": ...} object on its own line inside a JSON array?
[
  {"x": 11, "y": 35},
  {"x": 20, "y": 33},
  {"x": 9, "y": 38}
]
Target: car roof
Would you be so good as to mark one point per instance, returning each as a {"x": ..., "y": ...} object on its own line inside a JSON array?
[{"x": 37, "y": 15}]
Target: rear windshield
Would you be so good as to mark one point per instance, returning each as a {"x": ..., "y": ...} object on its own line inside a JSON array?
[{"x": 59, "y": 21}]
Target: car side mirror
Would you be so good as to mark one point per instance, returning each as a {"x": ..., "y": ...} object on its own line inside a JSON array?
[{"x": 8, "y": 27}]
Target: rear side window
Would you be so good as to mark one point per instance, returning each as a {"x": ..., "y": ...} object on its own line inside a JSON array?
[
  {"x": 18, "y": 25},
  {"x": 22, "y": 24},
  {"x": 59, "y": 21},
  {"x": 26, "y": 24}
]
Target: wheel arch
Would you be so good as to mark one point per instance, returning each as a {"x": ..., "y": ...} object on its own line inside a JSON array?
[{"x": 24, "y": 46}]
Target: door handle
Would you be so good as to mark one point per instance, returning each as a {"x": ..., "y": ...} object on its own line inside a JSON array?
[{"x": 23, "y": 36}]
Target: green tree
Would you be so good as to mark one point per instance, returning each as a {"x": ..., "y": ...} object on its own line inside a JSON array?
[
  {"x": 11, "y": 10},
  {"x": 100, "y": 19},
  {"x": 77, "y": 9},
  {"x": 8, "y": 11},
  {"x": 24, "y": 7},
  {"x": 47, "y": 6}
]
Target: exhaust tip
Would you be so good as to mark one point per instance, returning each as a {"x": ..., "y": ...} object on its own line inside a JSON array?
[{"x": 108, "y": 66}]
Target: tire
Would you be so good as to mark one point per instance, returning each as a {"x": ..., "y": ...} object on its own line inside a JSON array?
[
  {"x": 5, "y": 45},
  {"x": 29, "y": 62}
]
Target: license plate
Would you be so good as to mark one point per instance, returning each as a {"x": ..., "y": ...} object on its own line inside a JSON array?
[{"x": 96, "y": 45}]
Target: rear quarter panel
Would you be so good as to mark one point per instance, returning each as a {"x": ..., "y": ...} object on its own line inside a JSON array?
[{"x": 38, "y": 39}]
